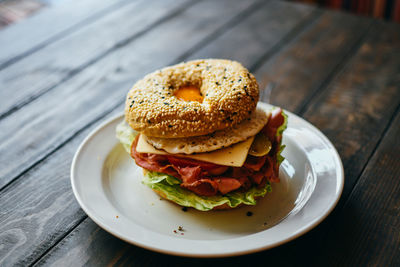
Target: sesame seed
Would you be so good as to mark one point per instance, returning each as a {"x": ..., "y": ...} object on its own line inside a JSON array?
[{"x": 160, "y": 108}]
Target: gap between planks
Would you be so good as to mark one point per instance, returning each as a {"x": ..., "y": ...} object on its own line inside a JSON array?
[
  {"x": 322, "y": 89},
  {"x": 230, "y": 24},
  {"x": 335, "y": 221},
  {"x": 65, "y": 234},
  {"x": 374, "y": 151},
  {"x": 301, "y": 27},
  {"x": 335, "y": 72},
  {"x": 62, "y": 34}
]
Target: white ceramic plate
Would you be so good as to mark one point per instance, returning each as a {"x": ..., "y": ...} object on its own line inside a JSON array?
[{"x": 107, "y": 185}]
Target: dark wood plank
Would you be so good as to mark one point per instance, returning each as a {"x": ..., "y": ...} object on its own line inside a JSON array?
[
  {"x": 367, "y": 230},
  {"x": 295, "y": 74},
  {"x": 89, "y": 230},
  {"x": 354, "y": 111},
  {"x": 360, "y": 103},
  {"x": 44, "y": 70},
  {"x": 32, "y": 221},
  {"x": 87, "y": 241},
  {"x": 51, "y": 23},
  {"x": 259, "y": 33},
  {"x": 102, "y": 86},
  {"x": 87, "y": 246}
]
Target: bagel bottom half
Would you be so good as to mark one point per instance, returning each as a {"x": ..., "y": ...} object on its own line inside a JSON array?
[{"x": 183, "y": 197}]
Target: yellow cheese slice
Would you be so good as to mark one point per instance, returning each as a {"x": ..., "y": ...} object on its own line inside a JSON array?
[{"x": 234, "y": 155}]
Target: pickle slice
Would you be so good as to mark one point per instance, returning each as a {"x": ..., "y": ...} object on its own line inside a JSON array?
[{"x": 260, "y": 146}]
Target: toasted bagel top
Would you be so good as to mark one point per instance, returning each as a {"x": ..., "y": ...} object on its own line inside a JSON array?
[{"x": 229, "y": 93}]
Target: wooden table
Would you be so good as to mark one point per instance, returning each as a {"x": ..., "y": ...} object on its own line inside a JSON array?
[{"x": 67, "y": 69}]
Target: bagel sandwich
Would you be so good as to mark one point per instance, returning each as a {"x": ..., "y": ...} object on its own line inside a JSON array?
[{"x": 196, "y": 131}]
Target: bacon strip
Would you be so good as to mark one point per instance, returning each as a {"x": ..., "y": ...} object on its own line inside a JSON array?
[{"x": 208, "y": 179}]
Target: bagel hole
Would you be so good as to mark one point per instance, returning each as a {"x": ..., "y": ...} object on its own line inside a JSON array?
[{"x": 189, "y": 93}]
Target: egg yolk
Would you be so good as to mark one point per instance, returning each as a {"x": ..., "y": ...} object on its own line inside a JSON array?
[{"x": 189, "y": 93}]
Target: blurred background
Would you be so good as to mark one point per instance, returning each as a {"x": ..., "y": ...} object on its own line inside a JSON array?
[
  {"x": 12, "y": 11},
  {"x": 386, "y": 9}
]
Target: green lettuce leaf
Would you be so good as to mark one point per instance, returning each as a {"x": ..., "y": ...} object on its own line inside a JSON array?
[
  {"x": 125, "y": 135},
  {"x": 170, "y": 187}
]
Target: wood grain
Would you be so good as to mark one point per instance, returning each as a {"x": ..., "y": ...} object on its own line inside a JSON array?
[
  {"x": 367, "y": 230},
  {"x": 42, "y": 71},
  {"x": 90, "y": 231},
  {"x": 40, "y": 208},
  {"x": 353, "y": 111},
  {"x": 304, "y": 65},
  {"x": 357, "y": 106},
  {"x": 258, "y": 33},
  {"x": 87, "y": 240},
  {"x": 101, "y": 87},
  {"x": 51, "y": 23}
]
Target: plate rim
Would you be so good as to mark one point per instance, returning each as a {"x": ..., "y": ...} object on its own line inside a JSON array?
[{"x": 299, "y": 232}]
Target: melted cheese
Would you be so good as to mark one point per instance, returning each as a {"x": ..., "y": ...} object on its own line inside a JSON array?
[{"x": 234, "y": 155}]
